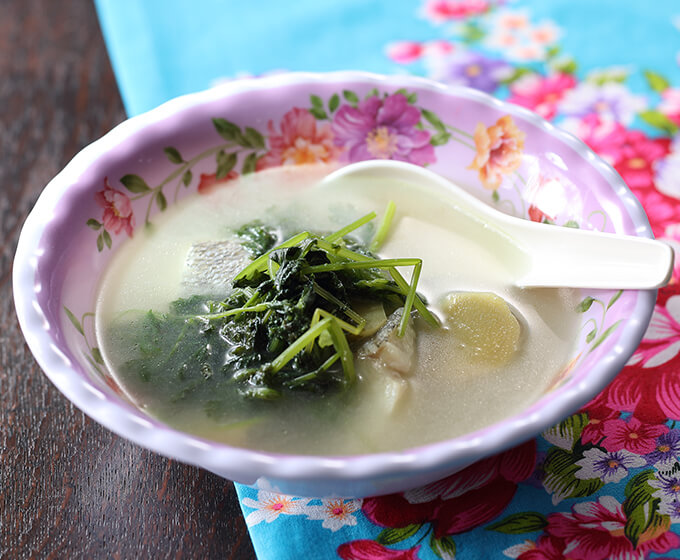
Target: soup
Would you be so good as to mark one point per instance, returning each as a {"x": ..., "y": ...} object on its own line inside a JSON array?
[{"x": 467, "y": 351}]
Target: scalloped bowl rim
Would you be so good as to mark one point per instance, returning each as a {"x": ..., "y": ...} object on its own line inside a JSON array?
[{"x": 215, "y": 456}]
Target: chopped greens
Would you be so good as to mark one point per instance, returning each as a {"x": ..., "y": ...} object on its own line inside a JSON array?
[{"x": 289, "y": 322}]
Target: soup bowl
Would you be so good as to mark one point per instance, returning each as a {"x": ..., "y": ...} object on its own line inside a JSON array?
[{"x": 504, "y": 155}]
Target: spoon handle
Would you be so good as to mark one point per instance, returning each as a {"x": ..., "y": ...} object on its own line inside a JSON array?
[{"x": 587, "y": 259}]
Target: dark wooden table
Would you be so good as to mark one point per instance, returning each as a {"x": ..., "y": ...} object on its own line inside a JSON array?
[{"x": 68, "y": 487}]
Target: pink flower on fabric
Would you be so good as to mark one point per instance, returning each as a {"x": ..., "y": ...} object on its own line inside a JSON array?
[
  {"x": 440, "y": 11},
  {"x": 460, "y": 502},
  {"x": 117, "y": 207},
  {"x": 632, "y": 435},
  {"x": 670, "y": 104},
  {"x": 541, "y": 94},
  {"x": 631, "y": 152},
  {"x": 404, "y": 52},
  {"x": 595, "y": 530},
  {"x": 382, "y": 128},
  {"x": 299, "y": 141},
  {"x": 371, "y": 550}
]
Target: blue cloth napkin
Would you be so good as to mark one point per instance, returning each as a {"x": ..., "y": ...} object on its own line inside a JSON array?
[{"x": 567, "y": 60}]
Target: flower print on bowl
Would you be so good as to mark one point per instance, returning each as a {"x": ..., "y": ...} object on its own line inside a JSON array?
[
  {"x": 610, "y": 100},
  {"x": 382, "y": 128},
  {"x": 541, "y": 94},
  {"x": 468, "y": 68},
  {"x": 442, "y": 11},
  {"x": 597, "y": 530},
  {"x": 118, "y": 215},
  {"x": 499, "y": 151},
  {"x": 208, "y": 181},
  {"x": 298, "y": 141},
  {"x": 609, "y": 466}
]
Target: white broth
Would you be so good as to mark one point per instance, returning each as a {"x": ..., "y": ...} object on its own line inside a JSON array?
[{"x": 447, "y": 393}]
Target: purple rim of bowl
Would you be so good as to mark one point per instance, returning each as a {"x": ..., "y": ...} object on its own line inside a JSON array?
[{"x": 243, "y": 464}]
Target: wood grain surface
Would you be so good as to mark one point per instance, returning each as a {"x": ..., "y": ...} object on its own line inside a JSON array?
[{"x": 68, "y": 487}]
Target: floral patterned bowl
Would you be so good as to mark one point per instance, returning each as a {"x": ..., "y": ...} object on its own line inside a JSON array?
[{"x": 503, "y": 154}]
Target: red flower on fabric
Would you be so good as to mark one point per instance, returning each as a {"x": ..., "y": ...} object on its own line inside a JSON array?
[
  {"x": 541, "y": 94},
  {"x": 440, "y": 11},
  {"x": 460, "y": 502},
  {"x": 546, "y": 548},
  {"x": 596, "y": 530},
  {"x": 593, "y": 432},
  {"x": 650, "y": 392},
  {"x": 117, "y": 207},
  {"x": 631, "y": 435},
  {"x": 371, "y": 550},
  {"x": 207, "y": 182}
]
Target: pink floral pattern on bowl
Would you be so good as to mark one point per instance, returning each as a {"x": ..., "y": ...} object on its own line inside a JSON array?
[{"x": 504, "y": 155}]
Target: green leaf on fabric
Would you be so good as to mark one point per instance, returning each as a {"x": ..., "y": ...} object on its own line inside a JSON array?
[
  {"x": 333, "y": 102},
  {"x": 641, "y": 519},
  {"x": 173, "y": 154},
  {"x": 559, "y": 480},
  {"x": 519, "y": 523},
  {"x": 393, "y": 536},
  {"x": 660, "y": 121},
  {"x": 656, "y": 81},
  {"x": 638, "y": 491},
  {"x": 471, "y": 33},
  {"x": 565, "y": 434},
  {"x": 444, "y": 548},
  {"x": 74, "y": 320},
  {"x": 585, "y": 305},
  {"x": 134, "y": 183}
]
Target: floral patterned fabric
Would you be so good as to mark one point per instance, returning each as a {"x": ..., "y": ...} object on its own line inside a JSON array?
[{"x": 604, "y": 484}]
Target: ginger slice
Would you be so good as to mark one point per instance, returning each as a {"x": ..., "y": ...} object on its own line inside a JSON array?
[{"x": 484, "y": 323}]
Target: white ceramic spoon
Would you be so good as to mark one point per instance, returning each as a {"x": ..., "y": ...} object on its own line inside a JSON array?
[{"x": 559, "y": 256}]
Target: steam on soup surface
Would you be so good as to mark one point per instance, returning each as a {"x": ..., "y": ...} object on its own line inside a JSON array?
[{"x": 414, "y": 383}]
